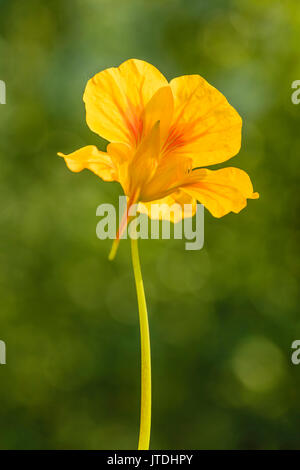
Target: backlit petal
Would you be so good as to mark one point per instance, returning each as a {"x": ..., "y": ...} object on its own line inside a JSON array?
[
  {"x": 170, "y": 175},
  {"x": 145, "y": 161},
  {"x": 93, "y": 159},
  {"x": 116, "y": 97},
  {"x": 221, "y": 191},
  {"x": 205, "y": 126},
  {"x": 121, "y": 155},
  {"x": 160, "y": 108}
]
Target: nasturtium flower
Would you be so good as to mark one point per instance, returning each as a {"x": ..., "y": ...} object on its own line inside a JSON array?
[{"x": 162, "y": 137}]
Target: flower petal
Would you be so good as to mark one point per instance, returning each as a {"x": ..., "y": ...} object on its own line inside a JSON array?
[
  {"x": 93, "y": 159},
  {"x": 170, "y": 174},
  {"x": 116, "y": 97},
  {"x": 221, "y": 191},
  {"x": 160, "y": 108},
  {"x": 205, "y": 126},
  {"x": 145, "y": 161},
  {"x": 121, "y": 155}
]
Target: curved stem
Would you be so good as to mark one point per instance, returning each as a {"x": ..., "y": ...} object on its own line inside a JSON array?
[{"x": 145, "y": 420}]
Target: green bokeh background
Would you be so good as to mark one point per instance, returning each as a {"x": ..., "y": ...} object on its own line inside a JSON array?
[{"x": 222, "y": 319}]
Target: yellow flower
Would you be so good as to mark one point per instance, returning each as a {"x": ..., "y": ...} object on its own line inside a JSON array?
[{"x": 160, "y": 134}]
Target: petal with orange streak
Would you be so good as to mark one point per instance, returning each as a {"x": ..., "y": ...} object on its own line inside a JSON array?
[
  {"x": 221, "y": 191},
  {"x": 121, "y": 155},
  {"x": 116, "y": 97},
  {"x": 145, "y": 161},
  {"x": 160, "y": 108},
  {"x": 205, "y": 126},
  {"x": 170, "y": 174}
]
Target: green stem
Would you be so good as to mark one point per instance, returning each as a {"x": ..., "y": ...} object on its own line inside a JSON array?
[{"x": 145, "y": 420}]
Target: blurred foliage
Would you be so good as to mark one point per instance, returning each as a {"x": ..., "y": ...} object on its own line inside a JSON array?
[{"x": 222, "y": 319}]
